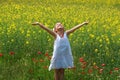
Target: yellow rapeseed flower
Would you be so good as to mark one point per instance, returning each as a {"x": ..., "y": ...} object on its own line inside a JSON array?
[
  {"x": 33, "y": 32},
  {"x": 12, "y": 40},
  {"x": 94, "y": 63},
  {"x": 12, "y": 26},
  {"x": 84, "y": 55},
  {"x": 83, "y": 43},
  {"x": 96, "y": 50},
  {"x": 0, "y": 19},
  {"x": 101, "y": 45},
  {"x": 113, "y": 34},
  {"x": 112, "y": 60},
  {"x": 28, "y": 35},
  {"x": 28, "y": 31},
  {"x": 100, "y": 40},
  {"x": 17, "y": 6},
  {"x": 92, "y": 35},
  {"x": 39, "y": 31},
  {"x": 27, "y": 42},
  {"x": 119, "y": 30},
  {"x": 22, "y": 31},
  {"x": 107, "y": 40}
]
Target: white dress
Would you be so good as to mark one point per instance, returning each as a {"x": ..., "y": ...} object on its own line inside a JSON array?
[{"x": 62, "y": 55}]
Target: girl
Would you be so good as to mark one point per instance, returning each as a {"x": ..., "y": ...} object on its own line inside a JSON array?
[{"x": 62, "y": 56}]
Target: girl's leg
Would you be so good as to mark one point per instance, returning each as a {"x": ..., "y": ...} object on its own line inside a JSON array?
[
  {"x": 61, "y": 73},
  {"x": 56, "y": 74}
]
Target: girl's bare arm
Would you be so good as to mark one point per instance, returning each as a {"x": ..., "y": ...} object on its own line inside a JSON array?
[
  {"x": 45, "y": 28},
  {"x": 76, "y": 27}
]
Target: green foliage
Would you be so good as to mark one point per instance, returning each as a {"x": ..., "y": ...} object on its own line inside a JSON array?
[{"x": 97, "y": 43}]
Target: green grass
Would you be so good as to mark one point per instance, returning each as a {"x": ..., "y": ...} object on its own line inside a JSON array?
[{"x": 98, "y": 42}]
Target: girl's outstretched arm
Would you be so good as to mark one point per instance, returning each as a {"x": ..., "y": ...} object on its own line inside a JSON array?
[
  {"x": 76, "y": 27},
  {"x": 45, "y": 28}
]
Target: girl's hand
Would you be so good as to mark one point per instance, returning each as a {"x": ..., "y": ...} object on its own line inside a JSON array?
[
  {"x": 35, "y": 23},
  {"x": 85, "y": 23}
]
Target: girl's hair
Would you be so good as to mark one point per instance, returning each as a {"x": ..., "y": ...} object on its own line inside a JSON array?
[{"x": 54, "y": 29}]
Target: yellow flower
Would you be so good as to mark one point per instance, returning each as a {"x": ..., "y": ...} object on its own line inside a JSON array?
[
  {"x": 39, "y": 31},
  {"x": 119, "y": 30},
  {"x": 101, "y": 45},
  {"x": 33, "y": 32},
  {"x": 107, "y": 40},
  {"x": 28, "y": 35},
  {"x": 27, "y": 42},
  {"x": 94, "y": 63},
  {"x": 92, "y": 35},
  {"x": 112, "y": 60},
  {"x": 83, "y": 43},
  {"x": 84, "y": 55},
  {"x": 113, "y": 34},
  {"x": 12, "y": 26},
  {"x": 96, "y": 50},
  {"x": 100, "y": 40},
  {"x": 22, "y": 31},
  {"x": 12, "y": 40},
  {"x": 28, "y": 31}
]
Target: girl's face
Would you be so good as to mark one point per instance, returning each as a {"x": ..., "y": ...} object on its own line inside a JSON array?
[{"x": 59, "y": 27}]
